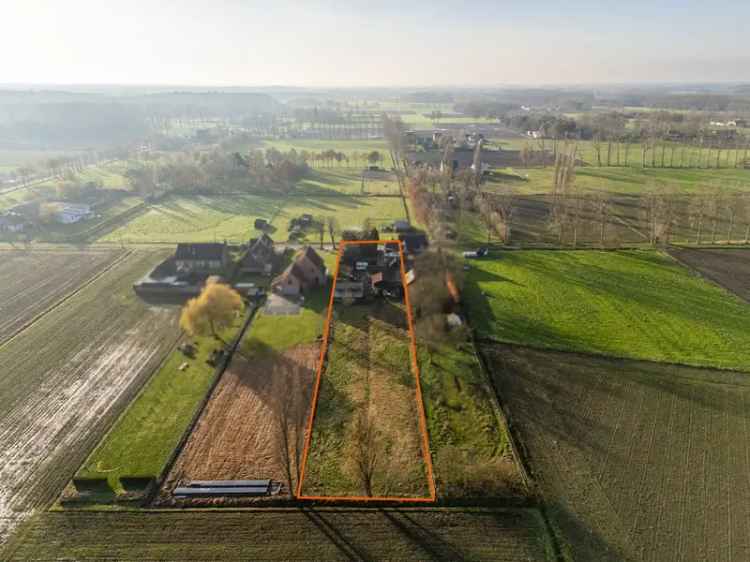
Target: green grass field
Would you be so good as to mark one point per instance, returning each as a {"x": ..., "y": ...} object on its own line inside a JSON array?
[
  {"x": 330, "y": 181},
  {"x": 198, "y": 219},
  {"x": 629, "y": 180},
  {"x": 636, "y": 304},
  {"x": 320, "y": 145},
  {"x": 145, "y": 435}
]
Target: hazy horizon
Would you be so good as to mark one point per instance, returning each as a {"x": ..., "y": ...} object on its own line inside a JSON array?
[{"x": 328, "y": 44}]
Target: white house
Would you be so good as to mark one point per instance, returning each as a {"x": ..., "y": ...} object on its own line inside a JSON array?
[{"x": 69, "y": 213}]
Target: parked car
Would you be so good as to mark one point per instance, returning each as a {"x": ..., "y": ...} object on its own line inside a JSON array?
[{"x": 476, "y": 254}]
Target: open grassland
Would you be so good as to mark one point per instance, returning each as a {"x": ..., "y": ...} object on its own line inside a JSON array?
[
  {"x": 11, "y": 159},
  {"x": 310, "y": 534},
  {"x": 67, "y": 376},
  {"x": 32, "y": 281},
  {"x": 729, "y": 268},
  {"x": 330, "y": 181},
  {"x": 666, "y": 155},
  {"x": 349, "y": 210},
  {"x": 637, "y": 304},
  {"x": 618, "y": 180},
  {"x": 205, "y": 218},
  {"x": 366, "y": 439},
  {"x": 143, "y": 438},
  {"x": 626, "y": 223},
  {"x": 635, "y": 460},
  {"x": 197, "y": 219}
]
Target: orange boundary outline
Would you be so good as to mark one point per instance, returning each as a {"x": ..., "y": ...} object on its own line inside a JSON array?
[{"x": 415, "y": 370}]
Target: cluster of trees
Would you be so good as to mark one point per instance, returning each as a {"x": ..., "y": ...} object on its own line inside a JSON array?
[
  {"x": 329, "y": 158},
  {"x": 262, "y": 171}
]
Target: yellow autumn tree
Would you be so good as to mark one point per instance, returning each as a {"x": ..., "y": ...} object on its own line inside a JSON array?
[{"x": 212, "y": 311}]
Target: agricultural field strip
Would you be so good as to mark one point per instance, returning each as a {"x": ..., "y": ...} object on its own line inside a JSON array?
[
  {"x": 427, "y": 456},
  {"x": 635, "y": 515},
  {"x": 503, "y": 535},
  {"x": 56, "y": 401},
  {"x": 15, "y": 323}
]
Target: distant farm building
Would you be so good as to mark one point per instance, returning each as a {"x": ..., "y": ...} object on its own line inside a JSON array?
[
  {"x": 69, "y": 213},
  {"x": 259, "y": 258},
  {"x": 12, "y": 222},
  {"x": 202, "y": 258}
]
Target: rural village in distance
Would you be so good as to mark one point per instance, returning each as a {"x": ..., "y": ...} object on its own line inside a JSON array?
[{"x": 406, "y": 321}]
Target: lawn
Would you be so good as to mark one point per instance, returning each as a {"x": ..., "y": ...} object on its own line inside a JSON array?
[
  {"x": 321, "y": 145},
  {"x": 145, "y": 435},
  {"x": 198, "y": 219},
  {"x": 280, "y": 333},
  {"x": 638, "y": 304}
]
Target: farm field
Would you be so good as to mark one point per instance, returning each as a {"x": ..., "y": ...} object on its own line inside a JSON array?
[
  {"x": 11, "y": 159},
  {"x": 620, "y": 180},
  {"x": 33, "y": 281},
  {"x": 253, "y": 425},
  {"x": 637, "y": 304},
  {"x": 729, "y": 268},
  {"x": 504, "y": 535},
  {"x": 321, "y": 145},
  {"x": 197, "y": 219},
  {"x": 141, "y": 441},
  {"x": 66, "y": 377},
  {"x": 206, "y": 218},
  {"x": 349, "y": 210},
  {"x": 329, "y": 181},
  {"x": 685, "y": 157},
  {"x": 366, "y": 439},
  {"x": 635, "y": 460}
]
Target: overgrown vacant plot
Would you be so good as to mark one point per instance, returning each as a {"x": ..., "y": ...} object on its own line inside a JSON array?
[
  {"x": 33, "y": 281},
  {"x": 637, "y": 304},
  {"x": 729, "y": 268},
  {"x": 635, "y": 460},
  {"x": 336, "y": 534},
  {"x": 366, "y": 439},
  {"x": 142, "y": 439},
  {"x": 66, "y": 377},
  {"x": 469, "y": 444},
  {"x": 198, "y": 219}
]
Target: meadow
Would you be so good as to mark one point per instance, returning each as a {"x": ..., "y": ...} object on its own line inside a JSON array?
[{"x": 637, "y": 304}]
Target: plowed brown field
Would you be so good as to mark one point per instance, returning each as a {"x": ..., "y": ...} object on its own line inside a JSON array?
[
  {"x": 729, "y": 268},
  {"x": 636, "y": 460},
  {"x": 32, "y": 281},
  {"x": 253, "y": 425},
  {"x": 63, "y": 379}
]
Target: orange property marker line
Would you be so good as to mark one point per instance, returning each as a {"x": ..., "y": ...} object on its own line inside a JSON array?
[{"x": 415, "y": 369}]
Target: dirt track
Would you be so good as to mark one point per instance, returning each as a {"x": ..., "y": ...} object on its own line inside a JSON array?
[
  {"x": 255, "y": 408},
  {"x": 65, "y": 377}
]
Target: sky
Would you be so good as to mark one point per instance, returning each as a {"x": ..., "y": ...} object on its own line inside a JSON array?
[{"x": 317, "y": 43}]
